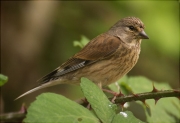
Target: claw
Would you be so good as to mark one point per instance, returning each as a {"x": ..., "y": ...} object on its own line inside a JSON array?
[{"x": 114, "y": 93}]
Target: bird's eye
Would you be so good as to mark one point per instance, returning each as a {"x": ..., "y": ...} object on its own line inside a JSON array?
[{"x": 131, "y": 27}]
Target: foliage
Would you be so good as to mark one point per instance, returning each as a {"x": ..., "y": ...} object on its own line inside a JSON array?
[
  {"x": 3, "y": 79},
  {"x": 158, "y": 110},
  {"x": 56, "y": 108},
  {"x": 84, "y": 40}
]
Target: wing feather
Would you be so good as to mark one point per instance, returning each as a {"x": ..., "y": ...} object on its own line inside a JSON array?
[{"x": 99, "y": 48}]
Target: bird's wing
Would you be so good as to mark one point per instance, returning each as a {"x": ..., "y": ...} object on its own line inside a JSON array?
[{"x": 99, "y": 48}]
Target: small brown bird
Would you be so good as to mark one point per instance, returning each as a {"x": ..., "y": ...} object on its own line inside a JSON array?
[{"x": 104, "y": 60}]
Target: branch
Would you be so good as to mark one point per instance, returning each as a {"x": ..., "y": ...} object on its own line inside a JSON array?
[
  {"x": 13, "y": 117},
  {"x": 156, "y": 95}
]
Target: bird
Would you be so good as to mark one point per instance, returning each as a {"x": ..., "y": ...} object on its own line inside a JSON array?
[{"x": 104, "y": 60}]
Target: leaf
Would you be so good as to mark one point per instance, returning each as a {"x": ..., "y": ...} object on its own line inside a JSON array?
[
  {"x": 126, "y": 117},
  {"x": 103, "y": 108},
  {"x": 3, "y": 79},
  {"x": 84, "y": 40},
  {"x": 53, "y": 108},
  {"x": 166, "y": 110}
]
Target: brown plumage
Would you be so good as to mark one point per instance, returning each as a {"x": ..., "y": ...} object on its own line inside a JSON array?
[{"x": 104, "y": 60}]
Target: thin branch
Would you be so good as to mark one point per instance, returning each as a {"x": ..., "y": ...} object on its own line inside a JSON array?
[
  {"x": 155, "y": 94},
  {"x": 149, "y": 95},
  {"x": 12, "y": 117}
]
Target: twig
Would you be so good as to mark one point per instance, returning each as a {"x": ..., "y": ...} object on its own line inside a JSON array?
[{"x": 149, "y": 95}]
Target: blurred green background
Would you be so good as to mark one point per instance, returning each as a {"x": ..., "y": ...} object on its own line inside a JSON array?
[{"x": 37, "y": 37}]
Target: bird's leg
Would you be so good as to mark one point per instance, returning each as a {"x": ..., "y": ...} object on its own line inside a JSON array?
[
  {"x": 89, "y": 106},
  {"x": 118, "y": 87},
  {"x": 116, "y": 94},
  {"x": 106, "y": 90},
  {"x": 100, "y": 85},
  {"x": 119, "y": 92},
  {"x": 86, "y": 103},
  {"x": 110, "y": 91}
]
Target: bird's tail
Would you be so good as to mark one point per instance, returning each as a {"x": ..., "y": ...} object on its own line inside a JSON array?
[{"x": 44, "y": 85}]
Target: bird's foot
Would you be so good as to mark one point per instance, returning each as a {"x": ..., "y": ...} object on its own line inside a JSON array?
[
  {"x": 113, "y": 93},
  {"x": 86, "y": 103}
]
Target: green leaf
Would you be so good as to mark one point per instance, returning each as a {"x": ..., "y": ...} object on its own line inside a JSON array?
[
  {"x": 166, "y": 110},
  {"x": 103, "y": 108},
  {"x": 53, "y": 108},
  {"x": 84, "y": 40},
  {"x": 126, "y": 117},
  {"x": 3, "y": 79},
  {"x": 140, "y": 84}
]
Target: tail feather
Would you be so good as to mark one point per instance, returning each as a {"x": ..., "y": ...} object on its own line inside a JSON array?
[
  {"x": 49, "y": 77},
  {"x": 45, "y": 85}
]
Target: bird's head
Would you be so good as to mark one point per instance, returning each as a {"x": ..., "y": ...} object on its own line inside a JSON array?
[{"x": 129, "y": 30}]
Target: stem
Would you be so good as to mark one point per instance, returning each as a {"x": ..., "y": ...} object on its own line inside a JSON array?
[{"x": 149, "y": 95}]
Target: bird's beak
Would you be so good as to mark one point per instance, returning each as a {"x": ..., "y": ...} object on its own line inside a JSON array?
[{"x": 143, "y": 35}]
